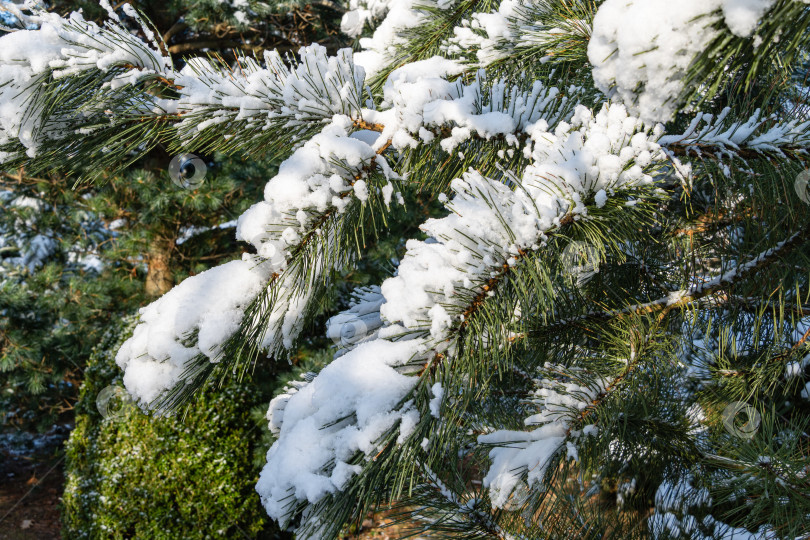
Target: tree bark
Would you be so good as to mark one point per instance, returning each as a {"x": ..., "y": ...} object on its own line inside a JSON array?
[{"x": 158, "y": 276}]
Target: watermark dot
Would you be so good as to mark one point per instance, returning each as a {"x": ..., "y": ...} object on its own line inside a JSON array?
[
  {"x": 733, "y": 416},
  {"x": 580, "y": 260},
  {"x": 346, "y": 333},
  {"x": 113, "y": 402},
  {"x": 267, "y": 249},
  {"x": 187, "y": 171},
  {"x": 802, "y": 186}
]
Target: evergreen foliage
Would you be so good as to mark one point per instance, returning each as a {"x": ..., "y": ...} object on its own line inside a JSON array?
[
  {"x": 74, "y": 255},
  {"x": 73, "y": 259},
  {"x": 618, "y": 279}
]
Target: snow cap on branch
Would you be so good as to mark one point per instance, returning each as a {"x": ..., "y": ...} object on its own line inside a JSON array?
[
  {"x": 491, "y": 224},
  {"x": 59, "y": 48},
  {"x": 641, "y": 50},
  {"x": 529, "y": 453},
  {"x": 193, "y": 318},
  {"x": 343, "y": 412}
]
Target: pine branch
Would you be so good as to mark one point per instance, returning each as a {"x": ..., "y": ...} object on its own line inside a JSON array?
[{"x": 681, "y": 298}]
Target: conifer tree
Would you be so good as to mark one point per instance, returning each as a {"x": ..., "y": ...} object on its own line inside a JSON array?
[
  {"x": 606, "y": 331},
  {"x": 75, "y": 254}
]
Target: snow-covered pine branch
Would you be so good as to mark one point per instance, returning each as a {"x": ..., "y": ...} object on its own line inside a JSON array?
[
  {"x": 725, "y": 139},
  {"x": 60, "y": 81},
  {"x": 204, "y": 320},
  {"x": 70, "y": 77},
  {"x": 206, "y": 104},
  {"x": 440, "y": 284},
  {"x": 519, "y": 456},
  {"x": 299, "y": 239},
  {"x": 259, "y": 103},
  {"x": 526, "y": 153}
]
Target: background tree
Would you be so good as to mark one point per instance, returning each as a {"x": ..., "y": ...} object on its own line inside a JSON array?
[{"x": 75, "y": 255}]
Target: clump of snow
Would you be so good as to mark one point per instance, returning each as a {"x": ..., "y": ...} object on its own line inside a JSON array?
[
  {"x": 316, "y": 177},
  {"x": 194, "y": 318},
  {"x": 640, "y": 50},
  {"x": 600, "y": 198},
  {"x": 436, "y": 401},
  {"x": 332, "y": 420},
  {"x": 363, "y": 12},
  {"x": 383, "y": 47},
  {"x": 421, "y": 101},
  {"x": 487, "y": 34},
  {"x": 529, "y": 453},
  {"x": 743, "y": 16}
]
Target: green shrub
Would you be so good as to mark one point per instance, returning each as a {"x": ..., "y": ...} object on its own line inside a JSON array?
[{"x": 188, "y": 476}]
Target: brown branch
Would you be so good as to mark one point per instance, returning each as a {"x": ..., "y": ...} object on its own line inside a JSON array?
[
  {"x": 159, "y": 78},
  {"x": 802, "y": 340},
  {"x": 700, "y": 292},
  {"x": 362, "y": 124},
  {"x": 179, "y": 48},
  {"x": 711, "y": 220},
  {"x": 664, "y": 305},
  {"x": 175, "y": 29}
]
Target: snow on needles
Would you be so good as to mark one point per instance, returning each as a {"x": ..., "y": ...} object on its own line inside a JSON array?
[
  {"x": 519, "y": 453},
  {"x": 757, "y": 133},
  {"x": 208, "y": 307},
  {"x": 383, "y": 47},
  {"x": 361, "y": 13},
  {"x": 199, "y": 315},
  {"x": 491, "y": 224},
  {"x": 641, "y": 49},
  {"x": 420, "y": 104},
  {"x": 489, "y": 228},
  {"x": 297, "y": 96},
  {"x": 59, "y": 48},
  {"x": 649, "y": 44},
  {"x": 326, "y": 423}
]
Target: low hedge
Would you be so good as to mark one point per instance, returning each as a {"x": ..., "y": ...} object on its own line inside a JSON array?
[{"x": 137, "y": 476}]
